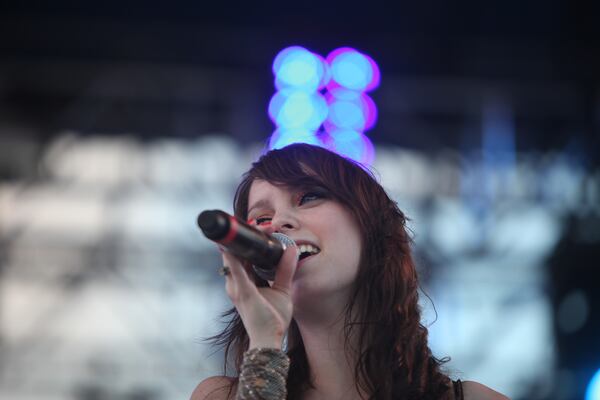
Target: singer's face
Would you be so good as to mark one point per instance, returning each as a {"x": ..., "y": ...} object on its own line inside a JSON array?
[{"x": 324, "y": 229}]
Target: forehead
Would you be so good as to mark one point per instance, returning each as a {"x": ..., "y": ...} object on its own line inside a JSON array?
[
  {"x": 263, "y": 190},
  {"x": 261, "y": 195}
]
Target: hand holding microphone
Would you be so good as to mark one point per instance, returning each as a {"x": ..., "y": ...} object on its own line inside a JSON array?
[
  {"x": 265, "y": 311},
  {"x": 259, "y": 248}
]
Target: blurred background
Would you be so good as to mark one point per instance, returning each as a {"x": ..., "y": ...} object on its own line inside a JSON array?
[{"x": 120, "y": 123}]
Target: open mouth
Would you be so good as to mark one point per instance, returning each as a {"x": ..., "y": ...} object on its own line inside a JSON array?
[{"x": 307, "y": 250}]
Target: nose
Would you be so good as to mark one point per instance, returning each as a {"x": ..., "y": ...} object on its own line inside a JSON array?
[{"x": 284, "y": 222}]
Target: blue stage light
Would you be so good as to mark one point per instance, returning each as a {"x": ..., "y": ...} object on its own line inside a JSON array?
[
  {"x": 352, "y": 70},
  {"x": 326, "y": 77},
  {"x": 351, "y": 144},
  {"x": 349, "y": 109},
  {"x": 282, "y": 138},
  {"x": 298, "y": 109},
  {"x": 376, "y": 74},
  {"x": 345, "y": 114},
  {"x": 369, "y": 110},
  {"x": 593, "y": 390},
  {"x": 292, "y": 109},
  {"x": 295, "y": 67}
]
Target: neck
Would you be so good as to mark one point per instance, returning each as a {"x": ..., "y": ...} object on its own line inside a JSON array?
[{"x": 331, "y": 362}]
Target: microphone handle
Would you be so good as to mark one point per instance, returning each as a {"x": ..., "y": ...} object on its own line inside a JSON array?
[{"x": 262, "y": 250}]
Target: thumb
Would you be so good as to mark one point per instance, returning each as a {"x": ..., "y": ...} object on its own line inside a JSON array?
[{"x": 286, "y": 269}]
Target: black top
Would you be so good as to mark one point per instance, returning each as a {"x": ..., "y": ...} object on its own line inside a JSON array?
[{"x": 458, "y": 391}]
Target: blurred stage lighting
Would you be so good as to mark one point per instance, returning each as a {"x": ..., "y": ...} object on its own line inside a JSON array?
[
  {"x": 85, "y": 219},
  {"x": 293, "y": 109},
  {"x": 351, "y": 144},
  {"x": 576, "y": 304},
  {"x": 297, "y": 68},
  {"x": 352, "y": 70},
  {"x": 324, "y": 101},
  {"x": 350, "y": 110},
  {"x": 282, "y": 138},
  {"x": 593, "y": 389}
]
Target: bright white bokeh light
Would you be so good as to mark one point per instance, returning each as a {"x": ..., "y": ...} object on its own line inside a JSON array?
[
  {"x": 93, "y": 222},
  {"x": 106, "y": 161}
]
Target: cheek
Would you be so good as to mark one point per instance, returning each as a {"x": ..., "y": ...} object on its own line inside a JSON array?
[{"x": 350, "y": 245}]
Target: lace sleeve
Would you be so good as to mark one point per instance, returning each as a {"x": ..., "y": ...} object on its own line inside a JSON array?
[{"x": 263, "y": 375}]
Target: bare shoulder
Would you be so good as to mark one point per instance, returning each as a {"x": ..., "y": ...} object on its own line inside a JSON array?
[
  {"x": 477, "y": 391},
  {"x": 214, "y": 388}
]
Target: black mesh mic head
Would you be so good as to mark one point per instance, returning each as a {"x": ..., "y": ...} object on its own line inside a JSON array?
[{"x": 214, "y": 224}]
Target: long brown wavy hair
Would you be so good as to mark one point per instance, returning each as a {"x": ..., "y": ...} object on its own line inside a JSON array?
[{"x": 394, "y": 360}]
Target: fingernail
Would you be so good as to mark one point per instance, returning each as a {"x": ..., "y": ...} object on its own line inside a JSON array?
[{"x": 297, "y": 252}]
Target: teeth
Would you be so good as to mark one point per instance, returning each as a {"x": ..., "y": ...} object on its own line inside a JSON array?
[{"x": 308, "y": 248}]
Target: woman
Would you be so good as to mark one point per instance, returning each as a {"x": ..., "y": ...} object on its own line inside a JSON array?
[{"x": 346, "y": 296}]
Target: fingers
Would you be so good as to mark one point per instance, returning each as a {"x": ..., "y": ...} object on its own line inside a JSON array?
[
  {"x": 240, "y": 277},
  {"x": 286, "y": 269},
  {"x": 239, "y": 286},
  {"x": 287, "y": 265}
]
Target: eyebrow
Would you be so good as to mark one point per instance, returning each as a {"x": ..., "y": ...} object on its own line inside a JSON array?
[{"x": 263, "y": 203}]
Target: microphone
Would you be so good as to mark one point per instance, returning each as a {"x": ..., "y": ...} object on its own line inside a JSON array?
[{"x": 259, "y": 248}]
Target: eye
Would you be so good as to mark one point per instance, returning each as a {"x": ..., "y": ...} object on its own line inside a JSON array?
[
  {"x": 263, "y": 220},
  {"x": 310, "y": 196}
]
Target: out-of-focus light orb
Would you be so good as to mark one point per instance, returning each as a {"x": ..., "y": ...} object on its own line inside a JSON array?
[
  {"x": 282, "y": 138},
  {"x": 370, "y": 111},
  {"x": 296, "y": 67},
  {"x": 352, "y": 70},
  {"x": 349, "y": 109},
  {"x": 346, "y": 115},
  {"x": 351, "y": 144},
  {"x": 376, "y": 78},
  {"x": 326, "y": 77},
  {"x": 299, "y": 109},
  {"x": 593, "y": 390},
  {"x": 293, "y": 109},
  {"x": 573, "y": 311}
]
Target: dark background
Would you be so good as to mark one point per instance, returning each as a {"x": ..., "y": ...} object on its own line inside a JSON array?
[{"x": 187, "y": 69}]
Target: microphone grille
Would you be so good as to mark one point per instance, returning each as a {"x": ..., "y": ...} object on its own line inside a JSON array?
[{"x": 286, "y": 240}]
